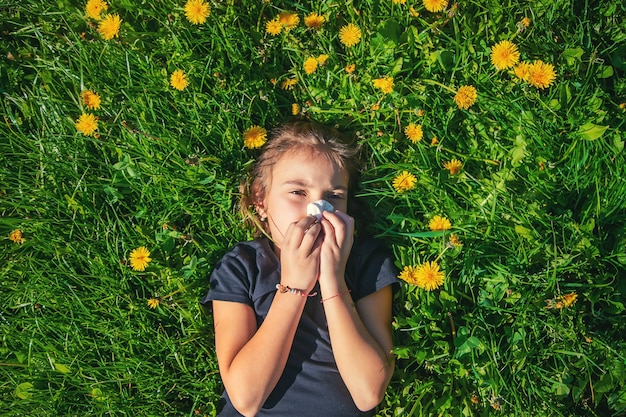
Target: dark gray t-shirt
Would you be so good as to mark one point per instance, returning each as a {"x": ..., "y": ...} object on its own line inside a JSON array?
[{"x": 310, "y": 384}]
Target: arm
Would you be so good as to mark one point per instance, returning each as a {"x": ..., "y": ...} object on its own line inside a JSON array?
[
  {"x": 361, "y": 340},
  {"x": 252, "y": 360},
  {"x": 360, "y": 335}
]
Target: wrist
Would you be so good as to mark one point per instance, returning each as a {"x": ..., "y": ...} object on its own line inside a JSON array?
[
  {"x": 283, "y": 289},
  {"x": 332, "y": 285},
  {"x": 338, "y": 295}
]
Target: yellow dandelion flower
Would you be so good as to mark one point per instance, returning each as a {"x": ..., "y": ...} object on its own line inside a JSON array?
[
  {"x": 420, "y": 113},
  {"x": 154, "y": 302},
  {"x": 384, "y": 84},
  {"x": 465, "y": 96},
  {"x": 453, "y": 165},
  {"x": 525, "y": 22},
  {"x": 91, "y": 99},
  {"x": 197, "y": 11},
  {"x": 414, "y": 132},
  {"x": 399, "y": 1},
  {"x": 273, "y": 27},
  {"x": 350, "y": 68},
  {"x": 404, "y": 181},
  {"x": 504, "y": 55},
  {"x": 454, "y": 240},
  {"x": 289, "y": 83},
  {"x": 622, "y": 106},
  {"x": 288, "y": 20},
  {"x": 438, "y": 223},
  {"x": 413, "y": 12},
  {"x": 94, "y": 8},
  {"x": 408, "y": 274},
  {"x": 17, "y": 237},
  {"x": 139, "y": 258},
  {"x": 554, "y": 303},
  {"x": 179, "y": 80},
  {"x": 109, "y": 26},
  {"x": 314, "y": 21},
  {"x": 522, "y": 71},
  {"x": 350, "y": 35},
  {"x": 322, "y": 59},
  {"x": 435, "y": 5},
  {"x": 86, "y": 124},
  {"x": 569, "y": 299},
  {"x": 376, "y": 107},
  {"x": 428, "y": 276},
  {"x": 540, "y": 74},
  {"x": 434, "y": 141},
  {"x": 295, "y": 109},
  {"x": 310, "y": 65},
  {"x": 254, "y": 137}
]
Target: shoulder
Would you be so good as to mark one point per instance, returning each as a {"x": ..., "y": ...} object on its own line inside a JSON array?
[
  {"x": 371, "y": 266},
  {"x": 367, "y": 251},
  {"x": 246, "y": 254},
  {"x": 234, "y": 275}
]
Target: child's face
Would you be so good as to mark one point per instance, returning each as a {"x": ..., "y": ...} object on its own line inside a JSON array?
[{"x": 297, "y": 179}]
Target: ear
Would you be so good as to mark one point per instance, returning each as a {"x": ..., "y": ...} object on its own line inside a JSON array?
[
  {"x": 258, "y": 200},
  {"x": 260, "y": 209},
  {"x": 258, "y": 203}
]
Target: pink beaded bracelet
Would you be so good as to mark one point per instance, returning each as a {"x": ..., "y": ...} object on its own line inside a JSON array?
[{"x": 285, "y": 288}]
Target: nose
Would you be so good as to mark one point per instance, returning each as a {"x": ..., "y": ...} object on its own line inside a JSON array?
[{"x": 314, "y": 196}]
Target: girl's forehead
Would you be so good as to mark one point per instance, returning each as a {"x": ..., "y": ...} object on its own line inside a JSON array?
[
  {"x": 308, "y": 162},
  {"x": 308, "y": 156}
]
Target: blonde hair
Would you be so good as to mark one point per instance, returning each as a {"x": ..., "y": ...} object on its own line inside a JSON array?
[{"x": 295, "y": 137}]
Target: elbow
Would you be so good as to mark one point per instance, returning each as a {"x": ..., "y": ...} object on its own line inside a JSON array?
[
  {"x": 367, "y": 401},
  {"x": 245, "y": 409},
  {"x": 244, "y": 405}
]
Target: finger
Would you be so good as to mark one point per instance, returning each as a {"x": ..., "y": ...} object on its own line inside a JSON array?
[
  {"x": 296, "y": 231},
  {"x": 330, "y": 233}
]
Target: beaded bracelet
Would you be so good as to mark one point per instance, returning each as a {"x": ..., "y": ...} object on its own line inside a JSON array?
[
  {"x": 336, "y": 295},
  {"x": 285, "y": 288}
]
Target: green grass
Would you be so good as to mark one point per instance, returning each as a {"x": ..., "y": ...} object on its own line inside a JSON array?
[{"x": 539, "y": 205}]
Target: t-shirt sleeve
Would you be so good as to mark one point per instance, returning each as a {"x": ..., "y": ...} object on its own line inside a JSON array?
[
  {"x": 372, "y": 269},
  {"x": 230, "y": 279}
]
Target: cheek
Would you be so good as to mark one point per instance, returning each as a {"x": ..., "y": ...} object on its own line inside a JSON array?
[{"x": 341, "y": 205}]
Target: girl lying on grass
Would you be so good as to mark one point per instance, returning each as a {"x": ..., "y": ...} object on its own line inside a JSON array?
[{"x": 302, "y": 314}]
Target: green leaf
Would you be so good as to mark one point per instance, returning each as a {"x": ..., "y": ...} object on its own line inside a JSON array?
[
  {"x": 447, "y": 300},
  {"x": 24, "y": 390},
  {"x": 523, "y": 231},
  {"x": 560, "y": 389},
  {"x": 97, "y": 394},
  {"x": 605, "y": 71},
  {"x": 397, "y": 66},
  {"x": 472, "y": 342},
  {"x": 112, "y": 194},
  {"x": 590, "y": 131},
  {"x": 61, "y": 368},
  {"x": 518, "y": 151},
  {"x": 618, "y": 143},
  {"x": 390, "y": 29},
  {"x": 572, "y": 55}
]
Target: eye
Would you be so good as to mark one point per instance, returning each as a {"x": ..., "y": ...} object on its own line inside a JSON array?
[
  {"x": 335, "y": 196},
  {"x": 297, "y": 192}
]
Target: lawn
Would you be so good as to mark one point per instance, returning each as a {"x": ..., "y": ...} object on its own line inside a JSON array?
[{"x": 494, "y": 141}]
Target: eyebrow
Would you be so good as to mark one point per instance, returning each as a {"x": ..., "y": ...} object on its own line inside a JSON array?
[{"x": 304, "y": 184}]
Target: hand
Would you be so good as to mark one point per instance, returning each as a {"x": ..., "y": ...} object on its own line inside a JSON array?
[
  {"x": 300, "y": 254},
  {"x": 338, "y": 230}
]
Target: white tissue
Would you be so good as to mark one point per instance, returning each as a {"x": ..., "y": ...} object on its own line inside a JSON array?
[{"x": 317, "y": 207}]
